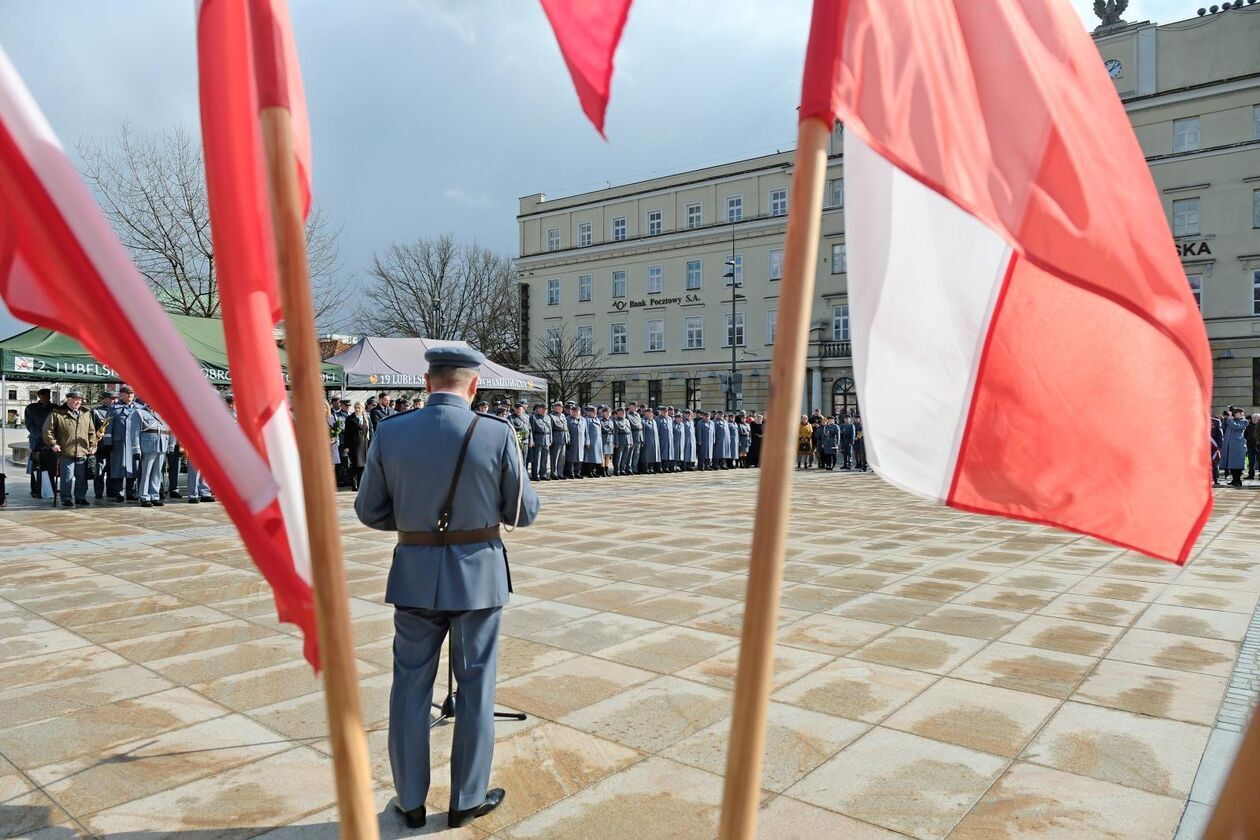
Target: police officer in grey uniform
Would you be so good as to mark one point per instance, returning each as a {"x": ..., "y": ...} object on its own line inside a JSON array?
[
  {"x": 559, "y": 440},
  {"x": 622, "y": 443},
  {"x": 445, "y": 478},
  {"x": 539, "y": 443},
  {"x": 636, "y": 438},
  {"x": 577, "y": 442}
]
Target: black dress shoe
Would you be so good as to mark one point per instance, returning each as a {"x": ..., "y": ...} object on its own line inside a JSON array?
[
  {"x": 145, "y": 503},
  {"x": 493, "y": 800},
  {"x": 415, "y": 818}
]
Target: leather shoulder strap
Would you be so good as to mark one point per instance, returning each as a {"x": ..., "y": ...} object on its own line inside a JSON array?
[{"x": 444, "y": 517}]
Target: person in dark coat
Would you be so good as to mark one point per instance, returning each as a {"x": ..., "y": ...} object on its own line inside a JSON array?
[
  {"x": 1215, "y": 442},
  {"x": 1234, "y": 450},
  {"x": 357, "y": 438},
  {"x": 1252, "y": 437},
  {"x": 859, "y": 447},
  {"x": 755, "y": 429},
  {"x": 848, "y": 433}
]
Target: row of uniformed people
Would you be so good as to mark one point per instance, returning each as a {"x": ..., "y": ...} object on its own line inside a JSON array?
[{"x": 596, "y": 441}]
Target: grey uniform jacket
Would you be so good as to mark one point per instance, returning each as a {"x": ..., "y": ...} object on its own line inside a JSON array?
[
  {"x": 651, "y": 442},
  {"x": 665, "y": 438},
  {"x": 577, "y": 439},
  {"x": 704, "y": 439},
  {"x": 636, "y": 426},
  {"x": 559, "y": 429},
  {"x": 409, "y": 466},
  {"x": 540, "y": 430},
  {"x": 622, "y": 435},
  {"x": 593, "y": 445}
]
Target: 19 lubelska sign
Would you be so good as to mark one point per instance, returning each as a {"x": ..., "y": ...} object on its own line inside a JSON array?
[{"x": 54, "y": 368}]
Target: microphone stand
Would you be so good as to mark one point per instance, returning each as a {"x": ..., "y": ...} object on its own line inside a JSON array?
[{"x": 446, "y": 709}]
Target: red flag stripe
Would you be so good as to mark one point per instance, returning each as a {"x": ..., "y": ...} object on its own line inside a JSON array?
[{"x": 588, "y": 32}]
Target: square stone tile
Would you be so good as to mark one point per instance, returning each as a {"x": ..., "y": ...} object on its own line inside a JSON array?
[
  {"x": 982, "y": 717},
  {"x": 652, "y": 716},
  {"x": 269, "y": 792},
  {"x": 831, "y": 633},
  {"x": 1203, "y": 624},
  {"x": 190, "y": 641},
  {"x": 797, "y": 741},
  {"x": 675, "y": 607},
  {"x": 655, "y": 798},
  {"x": 1064, "y": 635},
  {"x": 1097, "y": 610},
  {"x": 789, "y": 664},
  {"x": 1197, "y": 597},
  {"x": 1181, "y": 653},
  {"x": 539, "y": 767},
  {"x": 887, "y": 609},
  {"x": 59, "y": 697},
  {"x": 902, "y": 782},
  {"x": 730, "y": 620},
  {"x": 612, "y": 595},
  {"x": 810, "y": 598},
  {"x": 790, "y": 819},
  {"x": 919, "y": 650},
  {"x": 559, "y": 689},
  {"x": 80, "y": 662},
  {"x": 669, "y": 649},
  {"x": 1121, "y": 590},
  {"x": 1032, "y": 801},
  {"x": 1047, "y": 672},
  {"x": 1005, "y": 598},
  {"x": 588, "y": 635},
  {"x": 516, "y": 657},
  {"x": 1153, "y": 754},
  {"x": 1158, "y": 692},
  {"x": 855, "y": 690},
  {"x": 968, "y": 621},
  {"x": 927, "y": 588},
  {"x": 540, "y": 615}
]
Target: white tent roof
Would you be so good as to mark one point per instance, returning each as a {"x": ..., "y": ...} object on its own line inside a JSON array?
[{"x": 399, "y": 363}]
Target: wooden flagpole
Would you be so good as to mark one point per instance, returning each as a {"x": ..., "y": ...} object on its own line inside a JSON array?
[
  {"x": 774, "y": 492},
  {"x": 1237, "y": 812},
  {"x": 332, "y": 603}
]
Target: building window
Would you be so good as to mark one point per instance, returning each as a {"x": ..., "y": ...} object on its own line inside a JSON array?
[
  {"x": 553, "y": 291},
  {"x": 654, "y": 392},
  {"x": 654, "y": 223},
  {"x": 1255, "y": 208},
  {"x": 693, "y": 215},
  {"x": 772, "y": 323},
  {"x": 693, "y": 327},
  {"x": 584, "y": 235},
  {"x": 13, "y": 394},
  {"x": 553, "y": 239},
  {"x": 619, "y": 229},
  {"x": 778, "y": 202},
  {"x": 695, "y": 278},
  {"x": 619, "y": 284},
  {"x": 839, "y": 259},
  {"x": 584, "y": 288},
  {"x": 776, "y": 264},
  {"x": 619, "y": 394},
  {"x": 835, "y": 193},
  {"x": 1185, "y": 217},
  {"x": 734, "y": 208},
  {"x": 840, "y": 322},
  {"x": 553, "y": 340},
  {"x": 586, "y": 340},
  {"x": 655, "y": 280},
  {"x": 1186, "y": 134},
  {"x": 737, "y": 333},
  {"x": 739, "y": 271},
  {"x": 1255, "y": 293},
  {"x": 584, "y": 393},
  {"x": 693, "y": 394},
  {"x": 1196, "y": 288},
  {"x": 620, "y": 342},
  {"x": 655, "y": 340}
]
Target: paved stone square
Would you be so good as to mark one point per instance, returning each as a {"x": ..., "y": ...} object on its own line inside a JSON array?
[{"x": 938, "y": 674}]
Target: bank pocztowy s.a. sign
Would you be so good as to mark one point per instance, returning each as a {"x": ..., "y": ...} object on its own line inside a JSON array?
[{"x": 651, "y": 302}]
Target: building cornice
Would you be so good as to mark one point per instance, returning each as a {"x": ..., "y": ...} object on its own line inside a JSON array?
[{"x": 1192, "y": 92}]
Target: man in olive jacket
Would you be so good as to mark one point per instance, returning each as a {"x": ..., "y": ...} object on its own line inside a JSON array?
[{"x": 71, "y": 433}]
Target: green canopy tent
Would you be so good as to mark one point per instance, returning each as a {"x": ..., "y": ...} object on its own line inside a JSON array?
[{"x": 42, "y": 355}]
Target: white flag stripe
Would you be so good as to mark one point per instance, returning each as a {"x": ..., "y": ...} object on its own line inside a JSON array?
[
  {"x": 281, "y": 444},
  {"x": 923, "y": 279},
  {"x": 31, "y": 131}
]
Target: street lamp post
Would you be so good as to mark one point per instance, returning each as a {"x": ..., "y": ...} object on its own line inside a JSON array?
[{"x": 735, "y": 283}]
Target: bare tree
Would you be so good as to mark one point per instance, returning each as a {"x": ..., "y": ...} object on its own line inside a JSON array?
[
  {"x": 153, "y": 190},
  {"x": 435, "y": 288},
  {"x": 567, "y": 362}
]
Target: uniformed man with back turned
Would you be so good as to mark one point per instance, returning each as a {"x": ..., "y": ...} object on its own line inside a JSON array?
[{"x": 445, "y": 479}]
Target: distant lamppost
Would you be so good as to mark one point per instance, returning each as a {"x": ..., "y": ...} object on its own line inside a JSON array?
[{"x": 734, "y": 282}]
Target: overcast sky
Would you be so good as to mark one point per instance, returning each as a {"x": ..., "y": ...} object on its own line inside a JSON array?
[{"x": 435, "y": 116}]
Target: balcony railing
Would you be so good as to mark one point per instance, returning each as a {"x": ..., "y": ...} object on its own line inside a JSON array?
[{"x": 835, "y": 350}]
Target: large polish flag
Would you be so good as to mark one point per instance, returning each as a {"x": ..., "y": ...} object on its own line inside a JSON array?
[
  {"x": 588, "y": 32},
  {"x": 1024, "y": 338},
  {"x": 62, "y": 267},
  {"x": 246, "y": 60}
]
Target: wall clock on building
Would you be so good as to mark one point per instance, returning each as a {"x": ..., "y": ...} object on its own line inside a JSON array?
[{"x": 1114, "y": 67}]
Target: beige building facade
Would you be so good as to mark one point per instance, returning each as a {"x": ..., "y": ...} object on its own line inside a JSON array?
[{"x": 636, "y": 272}]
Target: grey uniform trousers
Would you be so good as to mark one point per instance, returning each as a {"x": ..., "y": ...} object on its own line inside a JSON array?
[
  {"x": 418, "y": 636},
  {"x": 621, "y": 457},
  {"x": 558, "y": 451},
  {"x": 539, "y": 459}
]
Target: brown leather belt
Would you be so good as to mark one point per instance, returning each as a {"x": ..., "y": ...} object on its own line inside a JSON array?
[{"x": 432, "y": 538}]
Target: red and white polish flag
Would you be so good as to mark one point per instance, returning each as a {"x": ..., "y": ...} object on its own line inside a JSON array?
[
  {"x": 1025, "y": 342},
  {"x": 62, "y": 267},
  {"x": 246, "y": 60},
  {"x": 588, "y": 32}
]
